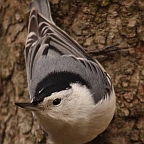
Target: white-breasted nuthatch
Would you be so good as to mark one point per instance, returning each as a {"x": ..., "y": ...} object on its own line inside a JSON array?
[{"x": 71, "y": 94}]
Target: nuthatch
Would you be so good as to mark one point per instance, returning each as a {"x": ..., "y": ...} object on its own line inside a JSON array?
[{"x": 71, "y": 94}]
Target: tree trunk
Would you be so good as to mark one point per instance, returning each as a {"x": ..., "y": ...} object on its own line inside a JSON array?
[{"x": 111, "y": 31}]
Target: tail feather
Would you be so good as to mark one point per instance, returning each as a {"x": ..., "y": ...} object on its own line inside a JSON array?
[
  {"x": 42, "y": 7},
  {"x": 33, "y": 22}
]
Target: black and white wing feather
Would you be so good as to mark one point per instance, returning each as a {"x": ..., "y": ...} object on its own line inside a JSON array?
[{"x": 54, "y": 59}]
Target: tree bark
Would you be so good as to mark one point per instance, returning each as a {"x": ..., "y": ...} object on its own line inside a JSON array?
[{"x": 111, "y": 31}]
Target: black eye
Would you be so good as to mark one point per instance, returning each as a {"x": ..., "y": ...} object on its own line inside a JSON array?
[{"x": 56, "y": 101}]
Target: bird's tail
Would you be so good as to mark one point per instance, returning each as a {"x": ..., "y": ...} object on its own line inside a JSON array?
[{"x": 42, "y": 7}]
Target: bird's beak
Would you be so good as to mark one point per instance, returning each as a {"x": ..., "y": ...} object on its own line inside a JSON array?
[{"x": 29, "y": 106}]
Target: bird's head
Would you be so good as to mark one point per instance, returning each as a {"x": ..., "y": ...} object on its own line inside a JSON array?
[{"x": 70, "y": 104}]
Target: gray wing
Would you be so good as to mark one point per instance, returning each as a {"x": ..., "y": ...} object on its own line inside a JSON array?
[
  {"x": 95, "y": 78},
  {"x": 44, "y": 36},
  {"x": 50, "y": 50}
]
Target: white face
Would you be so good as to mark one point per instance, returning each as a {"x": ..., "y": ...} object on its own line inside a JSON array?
[
  {"x": 68, "y": 104},
  {"x": 74, "y": 111}
]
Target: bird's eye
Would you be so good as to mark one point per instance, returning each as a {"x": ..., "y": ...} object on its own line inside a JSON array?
[{"x": 56, "y": 101}]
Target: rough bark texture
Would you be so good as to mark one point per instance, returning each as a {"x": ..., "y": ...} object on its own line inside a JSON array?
[{"x": 95, "y": 25}]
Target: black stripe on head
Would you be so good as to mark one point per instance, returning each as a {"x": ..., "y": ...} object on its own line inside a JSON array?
[{"x": 55, "y": 82}]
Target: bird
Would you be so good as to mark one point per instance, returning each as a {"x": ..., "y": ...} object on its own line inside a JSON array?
[{"x": 71, "y": 94}]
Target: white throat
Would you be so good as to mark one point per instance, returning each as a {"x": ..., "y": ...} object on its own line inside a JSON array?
[{"x": 77, "y": 119}]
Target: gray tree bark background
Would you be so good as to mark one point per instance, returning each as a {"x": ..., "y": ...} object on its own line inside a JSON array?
[{"x": 95, "y": 24}]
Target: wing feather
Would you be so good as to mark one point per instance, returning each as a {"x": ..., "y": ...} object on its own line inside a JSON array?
[{"x": 50, "y": 50}]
